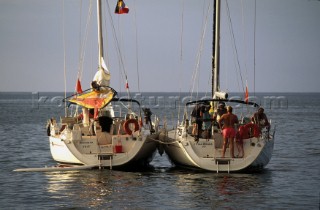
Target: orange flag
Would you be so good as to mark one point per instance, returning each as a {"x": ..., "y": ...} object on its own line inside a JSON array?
[
  {"x": 78, "y": 87},
  {"x": 246, "y": 97}
]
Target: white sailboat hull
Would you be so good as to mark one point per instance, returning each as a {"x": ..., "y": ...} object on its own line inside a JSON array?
[
  {"x": 206, "y": 154},
  {"x": 134, "y": 150}
]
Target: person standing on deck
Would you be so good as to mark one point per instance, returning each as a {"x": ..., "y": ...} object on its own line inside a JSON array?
[
  {"x": 228, "y": 132},
  {"x": 207, "y": 122},
  {"x": 221, "y": 110},
  {"x": 196, "y": 121}
]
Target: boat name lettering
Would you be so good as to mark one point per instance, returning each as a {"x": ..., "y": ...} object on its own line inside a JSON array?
[
  {"x": 87, "y": 142},
  {"x": 205, "y": 143}
]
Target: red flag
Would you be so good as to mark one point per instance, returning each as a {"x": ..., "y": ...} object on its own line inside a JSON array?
[
  {"x": 121, "y": 8},
  {"x": 78, "y": 87},
  {"x": 96, "y": 112},
  {"x": 127, "y": 85},
  {"x": 246, "y": 97}
]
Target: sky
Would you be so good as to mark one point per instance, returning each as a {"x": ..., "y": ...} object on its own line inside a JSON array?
[{"x": 162, "y": 44}]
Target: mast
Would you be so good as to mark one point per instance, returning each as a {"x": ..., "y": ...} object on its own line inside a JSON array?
[
  {"x": 216, "y": 48},
  {"x": 100, "y": 39},
  {"x": 102, "y": 76}
]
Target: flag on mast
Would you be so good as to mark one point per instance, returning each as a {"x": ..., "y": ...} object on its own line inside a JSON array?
[
  {"x": 121, "y": 8},
  {"x": 246, "y": 97},
  {"x": 78, "y": 86}
]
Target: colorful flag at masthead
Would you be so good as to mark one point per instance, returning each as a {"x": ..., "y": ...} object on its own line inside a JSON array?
[{"x": 121, "y": 8}]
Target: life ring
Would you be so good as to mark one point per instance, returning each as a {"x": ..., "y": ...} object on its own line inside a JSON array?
[
  {"x": 255, "y": 131},
  {"x": 127, "y": 128}
]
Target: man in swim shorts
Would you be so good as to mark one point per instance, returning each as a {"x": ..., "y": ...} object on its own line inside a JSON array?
[{"x": 228, "y": 131}]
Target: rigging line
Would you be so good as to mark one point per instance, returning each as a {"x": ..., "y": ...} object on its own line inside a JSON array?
[
  {"x": 106, "y": 52},
  {"x": 84, "y": 41},
  {"x": 196, "y": 72},
  {"x": 234, "y": 44},
  {"x": 209, "y": 83},
  {"x": 244, "y": 41},
  {"x": 123, "y": 72},
  {"x": 137, "y": 51},
  {"x": 181, "y": 58},
  {"x": 80, "y": 35},
  {"x": 64, "y": 60},
  {"x": 121, "y": 46},
  {"x": 205, "y": 22},
  {"x": 254, "y": 48},
  {"x": 118, "y": 34},
  {"x": 204, "y": 33}
]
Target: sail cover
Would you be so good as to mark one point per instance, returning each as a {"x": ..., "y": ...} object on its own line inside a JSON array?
[{"x": 95, "y": 99}]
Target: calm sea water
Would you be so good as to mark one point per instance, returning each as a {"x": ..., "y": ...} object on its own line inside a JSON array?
[{"x": 290, "y": 180}]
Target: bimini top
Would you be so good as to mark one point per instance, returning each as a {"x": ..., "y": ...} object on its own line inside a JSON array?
[{"x": 207, "y": 101}]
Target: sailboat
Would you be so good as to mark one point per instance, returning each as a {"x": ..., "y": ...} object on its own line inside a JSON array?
[
  {"x": 204, "y": 150},
  {"x": 110, "y": 132}
]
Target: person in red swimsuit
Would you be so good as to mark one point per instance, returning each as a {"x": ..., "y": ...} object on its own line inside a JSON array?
[{"x": 228, "y": 131}]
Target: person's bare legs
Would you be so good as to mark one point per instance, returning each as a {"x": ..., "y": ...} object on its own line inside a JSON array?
[
  {"x": 231, "y": 142},
  {"x": 239, "y": 144},
  {"x": 224, "y": 147},
  {"x": 194, "y": 129}
]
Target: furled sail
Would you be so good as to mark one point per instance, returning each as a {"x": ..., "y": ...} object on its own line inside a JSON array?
[{"x": 102, "y": 76}]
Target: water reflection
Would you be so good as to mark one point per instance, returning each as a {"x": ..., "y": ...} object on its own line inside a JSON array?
[
  {"x": 92, "y": 188},
  {"x": 217, "y": 190},
  {"x": 153, "y": 189}
]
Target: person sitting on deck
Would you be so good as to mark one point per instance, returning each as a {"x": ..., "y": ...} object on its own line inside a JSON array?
[{"x": 261, "y": 119}]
